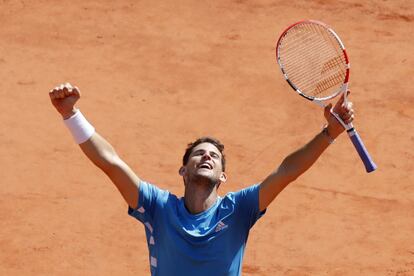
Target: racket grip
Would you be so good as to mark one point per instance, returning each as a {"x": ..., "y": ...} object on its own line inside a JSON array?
[{"x": 370, "y": 166}]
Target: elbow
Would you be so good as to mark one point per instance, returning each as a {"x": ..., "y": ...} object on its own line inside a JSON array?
[
  {"x": 107, "y": 161},
  {"x": 110, "y": 163},
  {"x": 289, "y": 170}
]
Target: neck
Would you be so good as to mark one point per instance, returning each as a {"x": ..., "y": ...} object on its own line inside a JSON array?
[{"x": 198, "y": 198}]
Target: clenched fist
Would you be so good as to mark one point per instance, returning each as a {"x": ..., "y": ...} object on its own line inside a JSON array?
[
  {"x": 345, "y": 111},
  {"x": 63, "y": 98}
]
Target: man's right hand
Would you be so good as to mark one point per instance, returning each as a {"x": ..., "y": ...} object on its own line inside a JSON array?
[{"x": 63, "y": 98}]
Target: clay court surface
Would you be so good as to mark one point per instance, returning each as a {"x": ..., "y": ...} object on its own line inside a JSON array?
[{"x": 155, "y": 75}]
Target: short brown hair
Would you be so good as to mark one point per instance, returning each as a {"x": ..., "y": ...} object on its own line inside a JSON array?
[{"x": 205, "y": 139}]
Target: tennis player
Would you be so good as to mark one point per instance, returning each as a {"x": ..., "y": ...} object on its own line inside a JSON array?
[{"x": 200, "y": 233}]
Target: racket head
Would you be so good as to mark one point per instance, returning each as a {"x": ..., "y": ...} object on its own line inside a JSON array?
[{"x": 313, "y": 60}]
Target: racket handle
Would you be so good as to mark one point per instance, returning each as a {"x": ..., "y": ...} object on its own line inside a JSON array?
[{"x": 370, "y": 166}]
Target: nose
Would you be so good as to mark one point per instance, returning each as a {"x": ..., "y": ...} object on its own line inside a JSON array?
[{"x": 206, "y": 156}]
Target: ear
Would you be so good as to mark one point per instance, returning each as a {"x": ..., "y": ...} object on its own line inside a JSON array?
[
  {"x": 223, "y": 177},
  {"x": 181, "y": 171}
]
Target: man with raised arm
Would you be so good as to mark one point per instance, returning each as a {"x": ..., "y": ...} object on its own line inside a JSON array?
[{"x": 200, "y": 233}]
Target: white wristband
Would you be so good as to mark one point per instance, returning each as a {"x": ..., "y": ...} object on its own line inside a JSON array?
[{"x": 80, "y": 128}]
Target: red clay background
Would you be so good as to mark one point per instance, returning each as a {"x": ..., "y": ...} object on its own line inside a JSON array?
[{"x": 154, "y": 76}]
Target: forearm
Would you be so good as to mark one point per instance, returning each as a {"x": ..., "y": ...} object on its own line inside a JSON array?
[
  {"x": 302, "y": 159},
  {"x": 103, "y": 155},
  {"x": 292, "y": 167},
  {"x": 94, "y": 146},
  {"x": 100, "y": 152}
]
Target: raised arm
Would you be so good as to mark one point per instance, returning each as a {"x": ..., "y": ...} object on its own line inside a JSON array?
[
  {"x": 302, "y": 159},
  {"x": 95, "y": 147}
]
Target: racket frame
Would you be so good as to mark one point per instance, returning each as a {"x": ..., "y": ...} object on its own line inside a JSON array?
[
  {"x": 351, "y": 131},
  {"x": 348, "y": 66}
]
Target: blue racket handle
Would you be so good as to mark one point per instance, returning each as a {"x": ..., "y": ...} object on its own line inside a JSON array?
[{"x": 370, "y": 166}]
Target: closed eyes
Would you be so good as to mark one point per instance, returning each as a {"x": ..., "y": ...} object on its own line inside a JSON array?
[{"x": 212, "y": 153}]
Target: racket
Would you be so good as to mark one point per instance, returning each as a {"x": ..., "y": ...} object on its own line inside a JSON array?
[{"x": 314, "y": 62}]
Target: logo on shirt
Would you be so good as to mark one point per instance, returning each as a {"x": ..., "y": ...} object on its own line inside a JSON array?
[{"x": 220, "y": 226}]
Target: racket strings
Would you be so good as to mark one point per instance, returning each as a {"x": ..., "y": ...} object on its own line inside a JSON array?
[
  {"x": 302, "y": 73},
  {"x": 308, "y": 44},
  {"x": 313, "y": 60}
]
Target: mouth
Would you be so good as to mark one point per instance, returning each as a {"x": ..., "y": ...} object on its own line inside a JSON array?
[{"x": 205, "y": 166}]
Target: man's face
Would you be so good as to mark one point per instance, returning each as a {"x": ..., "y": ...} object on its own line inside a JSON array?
[{"x": 204, "y": 162}]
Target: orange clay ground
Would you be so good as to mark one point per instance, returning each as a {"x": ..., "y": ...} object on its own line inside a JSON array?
[{"x": 154, "y": 76}]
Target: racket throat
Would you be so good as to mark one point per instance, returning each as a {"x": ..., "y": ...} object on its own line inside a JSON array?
[{"x": 320, "y": 103}]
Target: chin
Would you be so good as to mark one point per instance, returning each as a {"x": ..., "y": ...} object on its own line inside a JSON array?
[{"x": 206, "y": 177}]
